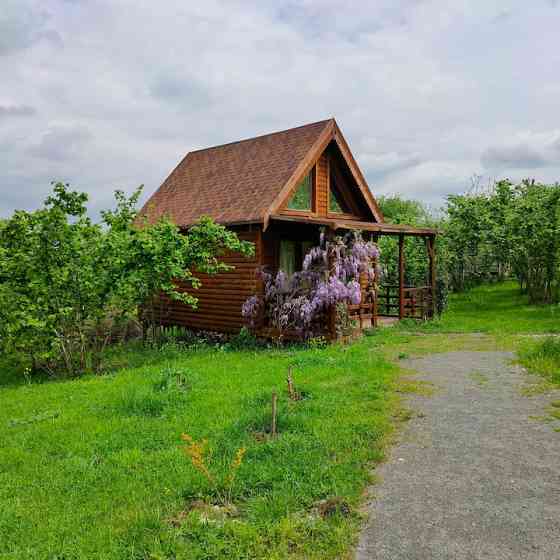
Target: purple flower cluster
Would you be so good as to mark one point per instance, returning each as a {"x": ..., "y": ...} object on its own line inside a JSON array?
[
  {"x": 251, "y": 310},
  {"x": 330, "y": 275}
]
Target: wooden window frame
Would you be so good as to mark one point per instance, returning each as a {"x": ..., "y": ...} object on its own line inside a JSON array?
[{"x": 307, "y": 213}]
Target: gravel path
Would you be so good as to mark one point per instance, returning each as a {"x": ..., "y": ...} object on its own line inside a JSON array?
[{"x": 475, "y": 475}]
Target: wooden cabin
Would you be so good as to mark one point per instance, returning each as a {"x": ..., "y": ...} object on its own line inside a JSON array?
[{"x": 279, "y": 191}]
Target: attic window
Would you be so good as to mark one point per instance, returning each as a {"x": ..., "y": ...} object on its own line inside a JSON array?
[
  {"x": 334, "y": 202},
  {"x": 302, "y": 197}
]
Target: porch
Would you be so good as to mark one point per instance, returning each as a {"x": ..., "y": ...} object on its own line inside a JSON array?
[{"x": 380, "y": 303}]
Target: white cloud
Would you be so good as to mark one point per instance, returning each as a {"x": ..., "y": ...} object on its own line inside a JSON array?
[
  {"x": 8, "y": 111},
  {"x": 427, "y": 93},
  {"x": 526, "y": 150},
  {"x": 62, "y": 143}
]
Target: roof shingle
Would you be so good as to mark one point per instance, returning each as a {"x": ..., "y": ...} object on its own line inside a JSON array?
[{"x": 234, "y": 182}]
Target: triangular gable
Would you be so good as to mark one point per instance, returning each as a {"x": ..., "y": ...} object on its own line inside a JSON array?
[{"x": 335, "y": 170}]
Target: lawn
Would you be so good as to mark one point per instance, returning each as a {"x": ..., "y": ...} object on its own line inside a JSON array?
[
  {"x": 497, "y": 309},
  {"x": 94, "y": 467}
]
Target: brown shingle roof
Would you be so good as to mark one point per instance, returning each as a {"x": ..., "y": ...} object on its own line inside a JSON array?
[{"x": 235, "y": 182}]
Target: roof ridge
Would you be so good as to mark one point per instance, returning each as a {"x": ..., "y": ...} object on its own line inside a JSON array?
[{"x": 331, "y": 119}]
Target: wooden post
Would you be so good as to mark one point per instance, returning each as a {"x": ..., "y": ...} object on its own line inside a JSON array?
[
  {"x": 259, "y": 283},
  {"x": 374, "y": 320},
  {"x": 292, "y": 393},
  {"x": 433, "y": 281},
  {"x": 274, "y": 406},
  {"x": 401, "y": 276},
  {"x": 364, "y": 282},
  {"x": 332, "y": 308}
]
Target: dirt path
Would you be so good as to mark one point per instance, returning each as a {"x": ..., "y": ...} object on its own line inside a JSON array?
[{"x": 475, "y": 474}]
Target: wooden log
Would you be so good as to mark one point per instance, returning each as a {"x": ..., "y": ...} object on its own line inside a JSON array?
[
  {"x": 433, "y": 280},
  {"x": 401, "y": 276}
]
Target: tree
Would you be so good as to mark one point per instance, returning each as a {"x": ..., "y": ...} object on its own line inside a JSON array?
[
  {"x": 65, "y": 281},
  {"x": 533, "y": 221},
  {"x": 398, "y": 210},
  {"x": 507, "y": 229}
]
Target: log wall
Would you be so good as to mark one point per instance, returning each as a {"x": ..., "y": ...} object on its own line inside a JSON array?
[
  {"x": 220, "y": 296},
  {"x": 322, "y": 185}
]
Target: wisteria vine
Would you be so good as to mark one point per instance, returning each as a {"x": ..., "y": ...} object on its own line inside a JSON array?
[{"x": 330, "y": 276}]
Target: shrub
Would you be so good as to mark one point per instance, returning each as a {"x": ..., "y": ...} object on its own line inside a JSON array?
[{"x": 66, "y": 283}]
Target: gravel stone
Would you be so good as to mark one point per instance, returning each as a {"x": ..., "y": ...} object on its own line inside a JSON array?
[{"x": 476, "y": 471}]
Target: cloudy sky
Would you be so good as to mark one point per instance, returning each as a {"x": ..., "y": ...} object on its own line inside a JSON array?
[{"x": 109, "y": 94}]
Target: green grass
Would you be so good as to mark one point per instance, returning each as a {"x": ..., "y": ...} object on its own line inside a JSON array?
[
  {"x": 92, "y": 468},
  {"x": 496, "y": 309},
  {"x": 543, "y": 357}
]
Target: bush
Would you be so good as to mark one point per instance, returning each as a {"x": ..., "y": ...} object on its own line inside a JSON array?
[
  {"x": 505, "y": 230},
  {"x": 245, "y": 340},
  {"x": 67, "y": 285}
]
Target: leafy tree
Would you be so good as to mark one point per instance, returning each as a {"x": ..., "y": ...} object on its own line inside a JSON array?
[
  {"x": 508, "y": 229},
  {"x": 468, "y": 261},
  {"x": 534, "y": 225},
  {"x": 398, "y": 210},
  {"x": 66, "y": 282}
]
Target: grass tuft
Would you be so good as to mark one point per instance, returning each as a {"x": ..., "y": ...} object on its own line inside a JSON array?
[{"x": 543, "y": 357}]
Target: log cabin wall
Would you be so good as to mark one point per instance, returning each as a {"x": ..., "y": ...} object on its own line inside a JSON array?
[
  {"x": 322, "y": 185},
  {"x": 220, "y": 296}
]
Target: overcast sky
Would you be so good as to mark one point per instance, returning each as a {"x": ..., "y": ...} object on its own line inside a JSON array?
[{"x": 109, "y": 94}]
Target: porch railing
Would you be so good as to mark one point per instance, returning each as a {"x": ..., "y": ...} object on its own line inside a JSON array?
[
  {"x": 417, "y": 304},
  {"x": 365, "y": 313},
  {"x": 417, "y": 301}
]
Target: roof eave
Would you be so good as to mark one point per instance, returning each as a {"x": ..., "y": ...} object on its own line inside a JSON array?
[{"x": 374, "y": 227}]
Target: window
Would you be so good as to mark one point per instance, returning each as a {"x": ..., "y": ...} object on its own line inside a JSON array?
[
  {"x": 292, "y": 254},
  {"x": 334, "y": 203},
  {"x": 287, "y": 261},
  {"x": 302, "y": 197}
]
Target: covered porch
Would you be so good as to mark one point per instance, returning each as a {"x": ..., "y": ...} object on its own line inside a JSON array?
[{"x": 381, "y": 303}]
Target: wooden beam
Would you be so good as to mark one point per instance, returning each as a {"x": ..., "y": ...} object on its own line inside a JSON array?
[
  {"x": 380, "y": 229},
  {"x": 433, "y": 281},
  {"x": 401, "y": 276}
]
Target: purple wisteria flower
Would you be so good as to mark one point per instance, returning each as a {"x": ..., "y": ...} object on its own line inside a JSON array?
[{"x": 330, "y": 276}]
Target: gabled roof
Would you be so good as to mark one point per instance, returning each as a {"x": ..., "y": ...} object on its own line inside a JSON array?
[{"x": 246, "y": 181}]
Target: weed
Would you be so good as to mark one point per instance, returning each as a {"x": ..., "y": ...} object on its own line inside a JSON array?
[
  {"x": 317, "y": 342},
  {"x": 200, "y": 456},
  {"x": 541, "y": 418},
  {"x": 403, "y": 415},
  {"x": 244, "y": 340},
  {"x": 33, "y": 419},
  {"x": 554, "y": 410},
  {"x": 534, "y": 389},
  {"x": 171, "y": 380},
  {"x": 333, "y": 506},
  {"x": 414, "y": 386},
  {"x": 479, "y": 378}
]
